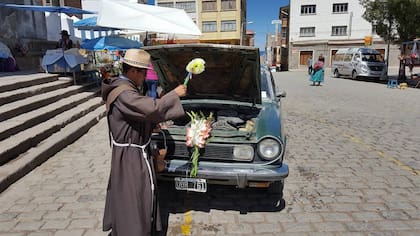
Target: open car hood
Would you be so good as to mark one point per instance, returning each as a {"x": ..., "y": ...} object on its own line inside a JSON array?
[{"x": 231, "y": 72}]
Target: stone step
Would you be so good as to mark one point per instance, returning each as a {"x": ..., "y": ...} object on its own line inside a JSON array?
[
  {"x": 31, "y": 137},
  {"x": 18, "y": 94},
  {"x": 27, "y": 120},
  {"x": 12, "y": 109},
  {"x": 40, "y": 114},
  {"x": 19, "y": 167},
  {"x": 12, "y": 82}
]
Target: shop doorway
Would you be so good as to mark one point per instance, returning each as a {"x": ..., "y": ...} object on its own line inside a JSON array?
[
  {"x": 304, "y": 55},
  {"x": 333, "y": 52}
]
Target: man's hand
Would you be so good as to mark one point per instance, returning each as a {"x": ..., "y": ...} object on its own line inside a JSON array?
[{"x": 181, "y": 90}]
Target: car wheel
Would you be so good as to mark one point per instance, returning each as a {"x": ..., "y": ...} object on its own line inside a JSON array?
[
  {"x": 336, "y": 74},
  {"x": 354, "y": 75}
]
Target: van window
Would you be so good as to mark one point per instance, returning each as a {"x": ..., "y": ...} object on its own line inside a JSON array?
[
  {"x": 347, "y": 57},
  {"x": 372, "y": 57},
  {"x": 338, "y": 57}
]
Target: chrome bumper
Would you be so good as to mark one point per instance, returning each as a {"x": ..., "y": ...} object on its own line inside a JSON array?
[{"x": 238, "y": 174}]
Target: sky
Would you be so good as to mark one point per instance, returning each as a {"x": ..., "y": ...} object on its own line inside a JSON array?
[{"x": 261, "y": 13}]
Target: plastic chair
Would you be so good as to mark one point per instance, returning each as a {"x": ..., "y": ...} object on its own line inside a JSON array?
[{"x": 392, "y": 83}]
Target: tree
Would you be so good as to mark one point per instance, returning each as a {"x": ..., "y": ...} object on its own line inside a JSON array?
[{"x": 395, "y": 20}]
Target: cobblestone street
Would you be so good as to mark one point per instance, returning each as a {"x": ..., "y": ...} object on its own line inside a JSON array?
[{"x": 353, "y": 153}]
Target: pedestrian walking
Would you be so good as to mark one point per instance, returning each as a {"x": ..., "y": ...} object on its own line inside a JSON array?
[
  {"x": 151, "y": 81},
  {"x": 321, "y": 58},
  {"x": 309, "y": 63},
  {"x": 131, "y": 207},
  {"x": 317, "y": 75}
]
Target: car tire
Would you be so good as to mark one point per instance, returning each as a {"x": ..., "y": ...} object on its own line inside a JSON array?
[
  {"x": 354, "y": 75},
  {"x": 336, "y": 74}
]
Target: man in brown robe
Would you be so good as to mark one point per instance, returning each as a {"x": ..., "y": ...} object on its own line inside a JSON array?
[{"x": 130, "y": 207}]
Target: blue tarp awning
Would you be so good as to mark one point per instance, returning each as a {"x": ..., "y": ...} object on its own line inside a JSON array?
[
  {"x": 110, "y": 43},
  {"x": 90, "y": 24},
  {"x": 57, "y": 9}
]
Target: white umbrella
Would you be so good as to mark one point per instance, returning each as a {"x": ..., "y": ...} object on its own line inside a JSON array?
[
  {"x": 4, "y": 51},
  {"x": 150, "y": 18}
]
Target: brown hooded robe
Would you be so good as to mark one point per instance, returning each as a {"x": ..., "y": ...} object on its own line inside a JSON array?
[{"x": 132, "y": 117}]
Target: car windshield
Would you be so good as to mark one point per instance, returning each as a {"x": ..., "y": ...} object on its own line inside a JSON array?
[
  {"x": 372, "y": 57},
  {"x": 266, "y": 92}
]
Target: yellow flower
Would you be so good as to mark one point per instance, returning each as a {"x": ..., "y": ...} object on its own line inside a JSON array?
[{"x": 196, "y": 66}]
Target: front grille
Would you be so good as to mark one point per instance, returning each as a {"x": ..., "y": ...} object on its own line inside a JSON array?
[
  {"x": 209, "y": 152},
  {"x": 376, "y": 68}
]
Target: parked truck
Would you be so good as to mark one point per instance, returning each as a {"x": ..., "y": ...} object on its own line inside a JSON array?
[{"x": 359, "y": 62}]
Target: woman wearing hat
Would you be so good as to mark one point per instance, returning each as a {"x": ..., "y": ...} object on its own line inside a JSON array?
[
  {"x": 130, "y": 208},
  {"x": 65, "y": 42}
]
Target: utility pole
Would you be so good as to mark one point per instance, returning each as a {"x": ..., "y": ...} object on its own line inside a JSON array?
[{"x": 276, "y": 24}]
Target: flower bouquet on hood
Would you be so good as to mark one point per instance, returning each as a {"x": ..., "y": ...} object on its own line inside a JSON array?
[{"x": 197, "y": 136}]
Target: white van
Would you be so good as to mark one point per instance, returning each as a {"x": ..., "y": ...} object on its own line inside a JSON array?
[{"x": 358, "y": 62}]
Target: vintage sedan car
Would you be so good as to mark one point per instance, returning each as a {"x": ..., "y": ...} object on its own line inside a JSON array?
[{"x": 247, "y": 144}]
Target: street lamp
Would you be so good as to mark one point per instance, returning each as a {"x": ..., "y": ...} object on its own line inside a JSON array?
[
  {"x": 276, "y": 23},
  {"x": 242, "y": 30}
]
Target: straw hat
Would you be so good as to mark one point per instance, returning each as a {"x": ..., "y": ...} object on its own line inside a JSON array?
[
  {"x": 65, "y": 32},
  {"x": 137, "y": 58}
]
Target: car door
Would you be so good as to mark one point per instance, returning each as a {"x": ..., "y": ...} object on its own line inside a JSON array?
[{"x": 347, "y": 67}]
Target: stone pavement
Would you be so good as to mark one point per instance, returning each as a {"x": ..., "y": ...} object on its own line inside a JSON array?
[{"x": 353, "y": 156}]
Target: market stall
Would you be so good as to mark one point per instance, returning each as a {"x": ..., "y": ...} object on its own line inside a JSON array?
[
  {"x": 68, "y": 61},
  {"x": 105, "y": 52},
  {"x": 410, "y": 58},
  {"x": 7, "y": 61}
]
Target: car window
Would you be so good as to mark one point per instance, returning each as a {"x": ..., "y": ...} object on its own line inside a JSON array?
[
  {"x": 267, "y": 85},
  {"x": 347, "y": 57}
]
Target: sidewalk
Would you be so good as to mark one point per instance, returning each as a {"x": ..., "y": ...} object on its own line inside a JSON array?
[{"x": 65, "y": 195}]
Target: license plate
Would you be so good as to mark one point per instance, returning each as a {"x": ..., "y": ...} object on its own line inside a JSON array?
[{"x": 191, "y": 184}]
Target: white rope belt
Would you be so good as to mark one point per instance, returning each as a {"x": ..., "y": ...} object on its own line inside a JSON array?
[
  {"x": 143, "y": 150},
  {"x": 142, "y": 147}
]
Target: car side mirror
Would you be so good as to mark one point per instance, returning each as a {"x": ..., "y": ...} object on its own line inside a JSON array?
[{"x": 281, "y": 94}]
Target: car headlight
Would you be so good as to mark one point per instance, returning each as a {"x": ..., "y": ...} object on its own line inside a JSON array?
[
  {"x": 364, "y": 68},
  {"x": 269, "y": 149},
  {"x": 243, "y": 152}
]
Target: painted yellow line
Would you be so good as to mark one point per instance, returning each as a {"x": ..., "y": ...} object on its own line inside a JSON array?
[
  {"x": 370, "y": 148},
  {"x": 186, "y": 227}
]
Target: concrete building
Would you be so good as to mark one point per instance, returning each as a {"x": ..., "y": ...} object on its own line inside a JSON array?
[
  {"x": 220, "y": 21},
  {"x": 29, "y": 34},
  {"x": 323, "y": 27},
  {"x": 25, "y": 33},
  {"x": 277, "y": 44}
]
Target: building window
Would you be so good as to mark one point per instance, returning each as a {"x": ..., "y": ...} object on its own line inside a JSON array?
[
  {"x": 209, "y": 26},
  {"x": 165, "y": 4},
  {"x": 307, "y": 32},
  {"x": 186, "y": 6},
  {"x": 340, "y": 7},
  {"x": 307, "y": 9},
  {"x": 52, "y": 3},
  {"x": 284, "y": 32},
  {"x": 339, "y": 31},
  {"x": 228, "y": 25},
  {"x": 228, "y": 5},
  {"x": 209, "y": 5},
  {"x": 374, "y": 28}
]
